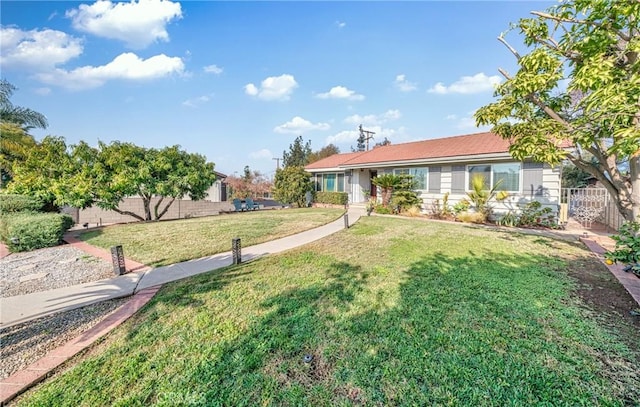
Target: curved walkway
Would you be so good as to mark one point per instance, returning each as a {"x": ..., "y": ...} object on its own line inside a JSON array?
[{"x": 143, "y": 284}]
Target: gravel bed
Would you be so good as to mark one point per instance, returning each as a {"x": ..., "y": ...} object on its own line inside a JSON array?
[
  {"x": 46, "y": 269},
  {"x": 23, "y": 344}
]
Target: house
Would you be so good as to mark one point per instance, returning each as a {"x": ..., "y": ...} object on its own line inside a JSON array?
[{"x": 440, "y": 166}]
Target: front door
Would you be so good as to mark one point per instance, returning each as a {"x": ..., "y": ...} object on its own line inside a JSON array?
[{"x": 373, "y": 188}]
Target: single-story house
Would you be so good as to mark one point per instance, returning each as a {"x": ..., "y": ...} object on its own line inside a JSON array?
[{"x": 439, "y": 166}]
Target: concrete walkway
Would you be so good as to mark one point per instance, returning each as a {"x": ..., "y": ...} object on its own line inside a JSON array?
[{"x": 18, "y": 309}]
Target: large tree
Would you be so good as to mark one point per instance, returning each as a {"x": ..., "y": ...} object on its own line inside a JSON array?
[
  {"x": 324, "y": 152},
  {"x": 298, "y": 154},
  {"x": 84, "y": 176},
  {"x": 579, "y": 84},
  {"x": 291, "y": 185}
]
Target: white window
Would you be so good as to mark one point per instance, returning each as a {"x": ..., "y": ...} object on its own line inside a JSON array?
[
  {"x": 419, "y": 176},
  {"x": 332, "y": 182},
  {"x": 506, "y": 175}
]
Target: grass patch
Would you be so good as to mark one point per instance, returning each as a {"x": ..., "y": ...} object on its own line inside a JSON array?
[
  {"x": 417, "y": 314},
  {"x": 162, "y": 243}
]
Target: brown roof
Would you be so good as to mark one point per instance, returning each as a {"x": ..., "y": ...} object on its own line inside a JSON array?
[
  {"x": 334, "y": 161},
  {"x": 470, "y": 144},
  {"x": 467, "y": 145}
]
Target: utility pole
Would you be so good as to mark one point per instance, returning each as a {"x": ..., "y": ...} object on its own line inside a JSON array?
[
  {"x": 366, "y": 135},
  {"x": 277, "y": 162}
]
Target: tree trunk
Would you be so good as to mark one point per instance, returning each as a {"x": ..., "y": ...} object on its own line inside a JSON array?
[
  {"x": 146, "y": 202},
  {"x": 166, "y": 208},
  {"x": 634, "y": 180}
]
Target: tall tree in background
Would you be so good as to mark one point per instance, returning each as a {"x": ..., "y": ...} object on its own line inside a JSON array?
[
  {"x": 324, "y": 152},
  {"x": 15, "y": 123},
  {"x": 592, "y": 48},
  {"x": 292, "y": 183},
  {"x": 298, "y": 154}
]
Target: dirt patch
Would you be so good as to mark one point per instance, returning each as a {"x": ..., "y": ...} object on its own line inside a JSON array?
[{"x": 602, "y": 292}]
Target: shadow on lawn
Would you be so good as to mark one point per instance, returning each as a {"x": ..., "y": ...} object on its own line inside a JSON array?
[
  {"x": 462, "y": 330},
  {"x": 484, "y": 329}
]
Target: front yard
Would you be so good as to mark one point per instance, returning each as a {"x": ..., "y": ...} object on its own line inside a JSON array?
[
  {"x": 168, "y": 242},
  {"x": 388, "y": 312}
]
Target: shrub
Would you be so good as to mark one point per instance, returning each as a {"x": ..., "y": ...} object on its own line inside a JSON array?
[
  {"x": 413, "y": 212},
  {"x": 508, "y": 219},
  {"x": 534, "y": 215},
  {"x": 334, "y": 198},
  {"x": 462, "y": 206},
  {"x": 11, "y": 203},
  {"x": 472, "y": 217},
  {"x": 30, "y": 231},
  {"x": 381, "y": 209},
  {"x": 627, "y": 249},
  {"x": 404, "y": 199},
  {"x": 441, "y": 211}
]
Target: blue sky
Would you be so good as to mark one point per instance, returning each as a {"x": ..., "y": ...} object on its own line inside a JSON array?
[{"x": 238, "y": 81}]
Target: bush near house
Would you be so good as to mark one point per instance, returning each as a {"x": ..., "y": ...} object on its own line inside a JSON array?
[
  {"x": 11, "y": 203},
  {"x": 333, "y": 198},
  {"x": 29, "y": 231}
]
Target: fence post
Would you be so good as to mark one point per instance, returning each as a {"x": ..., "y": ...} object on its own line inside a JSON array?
[{"x": 346, "y": 221}]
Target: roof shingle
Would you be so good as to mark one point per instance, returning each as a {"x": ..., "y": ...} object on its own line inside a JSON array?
[{"x": 466, "y": 145}]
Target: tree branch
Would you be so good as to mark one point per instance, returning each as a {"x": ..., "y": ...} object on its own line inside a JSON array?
[
  {"x": 129, "y": 213},
  {"x": 166, "y": 208},
  {"x": 509, "y": 47},
  {"x": 621, "y": 34}
]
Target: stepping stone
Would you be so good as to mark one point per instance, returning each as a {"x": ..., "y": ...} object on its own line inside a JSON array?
[{"x": 30, "y": 277}]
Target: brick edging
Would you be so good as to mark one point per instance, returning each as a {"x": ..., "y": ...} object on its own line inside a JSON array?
[
  {"x": 628, "y": 280},
  {"x": 22, "y": 380}
]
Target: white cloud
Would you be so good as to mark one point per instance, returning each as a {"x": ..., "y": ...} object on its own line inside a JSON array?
[
  {"x": 137, "y": 23},
  {"x": 197, "y": 101},
  {"x": 340, "y": 92},
  {"x": 264, "y": 153},
  {"x": 273, "y": 88},
  {"x": 341, "y": 24},
  {"x": 125, "y": 66},
  {"x": 403, "y": 84},
  {"x": 468, "y": 84},
  {"x": 37, "y": 49},
  {"x": 214, "y": 69},
  {"x": 298, "y": 125},
  {"x": 43, "y": 91},
  {"x": 373, "y": 119},
  {"x": 466, "y": 122}
]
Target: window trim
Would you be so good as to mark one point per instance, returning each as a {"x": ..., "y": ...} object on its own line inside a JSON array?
[
  {"x": 426, "y": 178},
  {"x": 520, "y": 174},
  {"x": 319, "y": 181}
]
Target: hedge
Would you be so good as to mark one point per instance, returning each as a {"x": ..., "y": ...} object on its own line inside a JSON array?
[
  {"x": 29, "y": 231},
  {"x": 334, "y": 198},
  {"x": 11, "y": 203}
]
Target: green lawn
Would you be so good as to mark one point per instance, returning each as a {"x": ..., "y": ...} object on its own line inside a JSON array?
[
  {"x": 394, "y": 312},
  {"x": 162, "y": 243}
]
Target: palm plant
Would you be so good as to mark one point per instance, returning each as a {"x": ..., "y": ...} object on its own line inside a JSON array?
[
  {"x": 387, "y": 183},
  {"x": 481, "y": 196}
]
